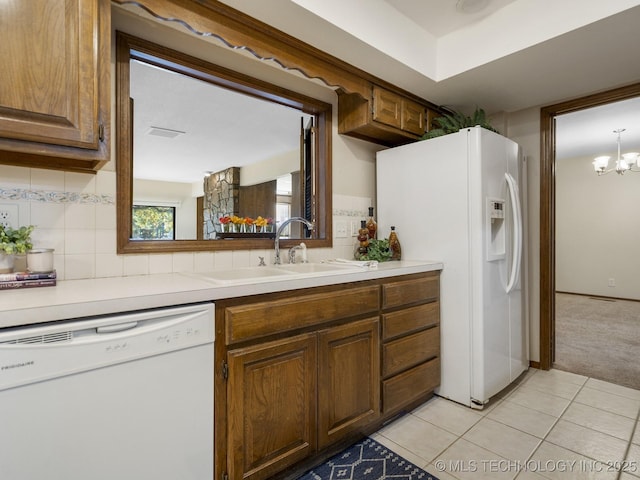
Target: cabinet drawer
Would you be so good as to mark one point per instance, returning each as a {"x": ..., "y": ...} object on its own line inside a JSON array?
[
  {"x": 244, "y": 322},
  {"x": 411, "y": 350},
  {"x": 409, "y": 320},
  {"x": 409, "y": 386},
  {"x": 404, "y": 292}
]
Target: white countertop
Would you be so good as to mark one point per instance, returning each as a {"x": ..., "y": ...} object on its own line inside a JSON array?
[{"x": 80, "y": 298}]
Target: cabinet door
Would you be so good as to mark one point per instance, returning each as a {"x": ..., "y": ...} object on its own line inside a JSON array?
[
  {"x": 412, "y": 117},
  {"x": 399, "y": 112},
  {"x": 387, "y": 107},
  {"x": 54, "y": 81},
  {"x": 271, "y": 398},
  {"x": 348, "y": 379}
]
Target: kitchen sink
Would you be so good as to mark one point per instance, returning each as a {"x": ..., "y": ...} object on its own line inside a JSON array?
[
  {"x": 239, "y": 275},
  {"x": 315, "y": 268},
  {"x": 275, "y": 272}
]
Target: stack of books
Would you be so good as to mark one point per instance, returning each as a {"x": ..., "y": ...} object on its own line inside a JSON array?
[{"x": 27, "y": 279}]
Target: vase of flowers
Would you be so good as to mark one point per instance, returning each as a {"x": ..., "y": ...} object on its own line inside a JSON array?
[
  {"x": 225, "y": 223},
  {"x": 236, "y": 223}
]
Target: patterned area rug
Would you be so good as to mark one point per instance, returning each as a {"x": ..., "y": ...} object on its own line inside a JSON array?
[{"x": 367, "y": 460}]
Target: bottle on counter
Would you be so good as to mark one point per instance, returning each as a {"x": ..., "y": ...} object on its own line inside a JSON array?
[
  {"x": 363, "y": 239},
  {"x": 372, "y": 226},
  {"x": 394, "y": 245}
]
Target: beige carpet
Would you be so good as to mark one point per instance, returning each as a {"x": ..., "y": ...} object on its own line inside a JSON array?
[{"x": 599, "y": 338}]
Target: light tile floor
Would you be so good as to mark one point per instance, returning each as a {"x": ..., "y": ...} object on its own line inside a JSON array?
[{"x": 547, "y": 424}]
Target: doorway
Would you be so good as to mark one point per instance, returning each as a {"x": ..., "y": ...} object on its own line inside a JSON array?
[{"x": 548, "y": 208}]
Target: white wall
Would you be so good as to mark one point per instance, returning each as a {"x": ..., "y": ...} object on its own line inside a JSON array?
[
  {"x": 270, "y": 169},
  {"x": 170, "y": 194},
  {"x": 597, "y": 230}
]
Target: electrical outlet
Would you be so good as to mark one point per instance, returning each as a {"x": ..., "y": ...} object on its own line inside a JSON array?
[
  {"x": 341, "y": 230},
  {"x": 612, "y": 282},
  {"x": 9, "y": 215},
  {"x": 355, "y": 226}
]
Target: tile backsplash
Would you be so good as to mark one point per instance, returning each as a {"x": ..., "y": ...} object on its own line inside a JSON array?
[{"x": 75, "y": 214}]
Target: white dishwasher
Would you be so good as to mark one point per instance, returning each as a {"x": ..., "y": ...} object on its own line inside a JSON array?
[{"x": 126, "y": 396}]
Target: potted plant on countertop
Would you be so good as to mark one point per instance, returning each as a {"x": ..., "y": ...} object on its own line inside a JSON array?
[
  {"x": 13, "y": 242},
  {"x": 377, "y": 250},
  {"x": 455, "y": 121}
]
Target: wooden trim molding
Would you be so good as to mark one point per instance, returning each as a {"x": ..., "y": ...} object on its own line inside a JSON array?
[
  {"x": 238, "y": 31},
  {"x": 548, "y": 207}
]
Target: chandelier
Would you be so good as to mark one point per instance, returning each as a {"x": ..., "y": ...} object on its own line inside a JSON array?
[{"x": 624, "y": 163}]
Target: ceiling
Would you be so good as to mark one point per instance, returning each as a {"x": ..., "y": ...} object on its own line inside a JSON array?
[
  {"x": 214, "y": 128},
  {"x": 512, "y": 56},
  {"x": 501, "y": 55},
  {"x": 590, "y": 133},
  {"x": 440, "y": 17}
]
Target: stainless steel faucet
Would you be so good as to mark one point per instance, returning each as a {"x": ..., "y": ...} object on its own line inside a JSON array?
[{"x": 279, "y": 232}]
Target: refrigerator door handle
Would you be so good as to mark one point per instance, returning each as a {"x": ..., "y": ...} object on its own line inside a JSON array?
[{"x": 517, "y": 231}]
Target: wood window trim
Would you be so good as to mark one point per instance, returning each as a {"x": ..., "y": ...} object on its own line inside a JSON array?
[
  {"x": 164, "y": 56},
  {"x": 548, "y": 207}
]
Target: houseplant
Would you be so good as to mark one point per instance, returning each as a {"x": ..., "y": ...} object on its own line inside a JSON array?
[
  {"x": 13, "y": 242},
  {"x": 377, "y": 250},
  {"x": 455, "y": 121}
]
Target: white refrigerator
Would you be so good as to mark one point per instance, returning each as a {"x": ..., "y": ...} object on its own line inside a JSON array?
[{"x": 457, "y": 199}]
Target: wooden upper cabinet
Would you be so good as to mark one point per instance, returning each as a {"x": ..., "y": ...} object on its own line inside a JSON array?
[
  {"x": 397, "y": 111},
  {"x": 413, "y": 117},
  {"x": 387, "y": 107},
  {"x": 386, "y": 117},
  {"x": 54, "y": 87}
]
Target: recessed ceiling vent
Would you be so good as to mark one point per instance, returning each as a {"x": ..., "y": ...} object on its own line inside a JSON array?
[
  {"x": 164, "y": 132},
  {"x": 471, "y": 6}
]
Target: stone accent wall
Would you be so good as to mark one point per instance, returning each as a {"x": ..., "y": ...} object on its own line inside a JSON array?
[{"x": 221, "y": 194}]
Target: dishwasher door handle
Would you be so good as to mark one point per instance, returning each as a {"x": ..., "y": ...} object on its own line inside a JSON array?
[{"x": 119, "y": 327}]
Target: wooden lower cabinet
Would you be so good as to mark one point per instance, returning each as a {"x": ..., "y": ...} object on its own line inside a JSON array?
[
  {"x": 306, "y": 372},
  {"x": 348, "y": 385},
  {"x": 271, "y": 402},
  {"x": 409, "y": 386}
]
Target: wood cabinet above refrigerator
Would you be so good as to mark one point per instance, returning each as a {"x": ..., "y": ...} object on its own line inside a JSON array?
[{"x": 386, "y": 117}]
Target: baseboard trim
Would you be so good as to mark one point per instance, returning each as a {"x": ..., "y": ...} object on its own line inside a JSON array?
[
  {"x": 533, "y": 364},
  {"x": 600, "y": 297}
]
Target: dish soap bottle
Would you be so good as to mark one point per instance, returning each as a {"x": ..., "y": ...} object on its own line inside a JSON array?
[
  {"x": 372, "y": 226},
  {"x": 394, "y": 245}
]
